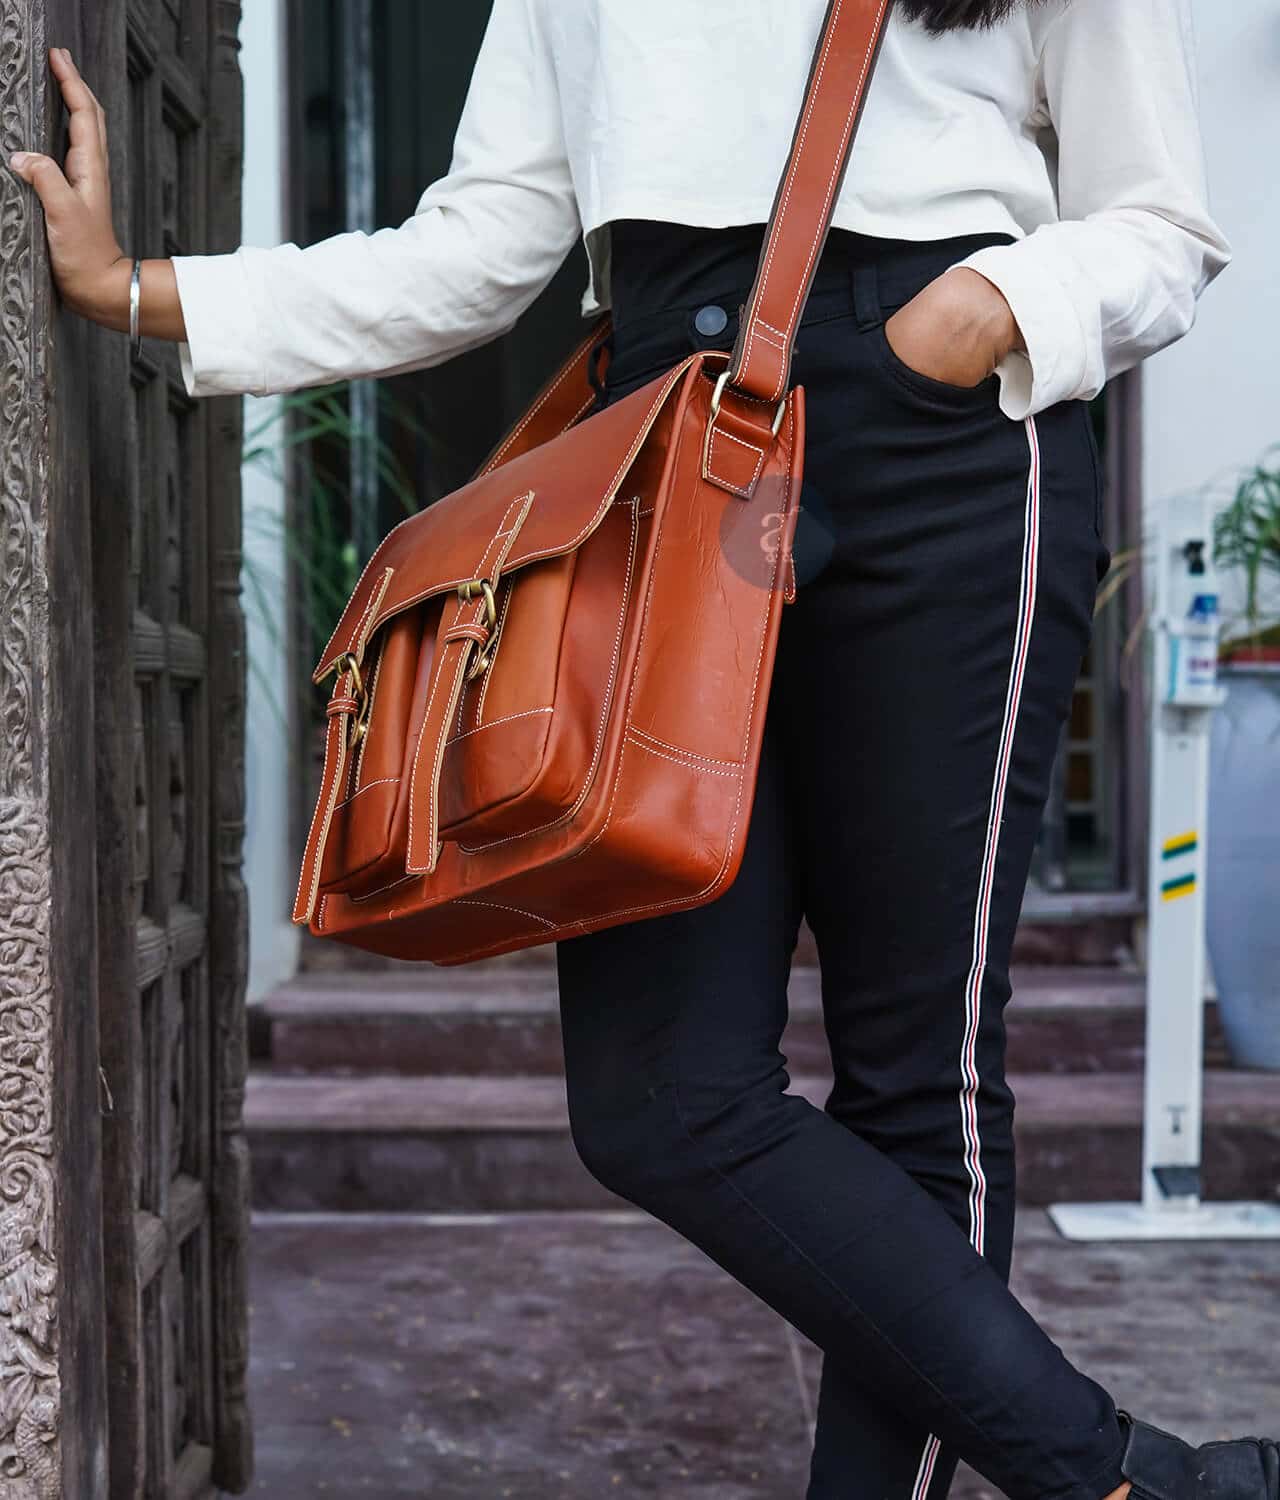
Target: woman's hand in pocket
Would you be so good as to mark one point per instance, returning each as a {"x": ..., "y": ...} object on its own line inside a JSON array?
[{"x": 956, "y": 330}]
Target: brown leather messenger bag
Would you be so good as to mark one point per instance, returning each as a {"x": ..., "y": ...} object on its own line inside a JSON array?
[{"x": 551, "y": 684}]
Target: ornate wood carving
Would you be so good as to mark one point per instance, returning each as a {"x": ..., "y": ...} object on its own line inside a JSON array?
[
  {"x": 30, "y": 1393},
  {"x": 29, "y": 1384},
  {"x": 161, "y": 773}
]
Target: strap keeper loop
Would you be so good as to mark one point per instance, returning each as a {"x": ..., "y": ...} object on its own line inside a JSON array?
[{"x": 723, "y": 382}]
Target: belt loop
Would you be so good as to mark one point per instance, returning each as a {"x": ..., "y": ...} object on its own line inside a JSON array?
[{"x": 866, "y": 296}]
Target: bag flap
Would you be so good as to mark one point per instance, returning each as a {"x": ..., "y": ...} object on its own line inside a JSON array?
[{"x": 540, "y": 504}]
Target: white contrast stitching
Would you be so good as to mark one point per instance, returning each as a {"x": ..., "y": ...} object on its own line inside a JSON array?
[
  {"x": 559, "y": 549},
  {"x": 850, "y": 121},
  {"x": 761, "y": 454},
  {"x": 811, "y": 103},
  {"x": 385, "y": 781},
  {"x": 335, "y": 740},
  {"x": 498, "y": 906},
  {"x": 681, "y": 759},
  {"x": 493, "y": 723},
  {"x": 677, "y": 902},
  {"x": 758, "y": 300},
  {"x": 433, "y": 810},
  {"x": 680, "y": 749},
  {"x": 493, "y": 652},
  {"x": 570, "y": 366},
  {"x": 755, "y": 688},
  {"x": 580, "y": 413},
  {"x": 433, "y": 790},
  {"x": 400, "y": 608},
  {"x": 437, "y": 674},
  {"x": 572, "y": 811}
]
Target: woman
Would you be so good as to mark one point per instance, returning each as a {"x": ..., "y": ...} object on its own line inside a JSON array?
[{"x": 1025, "y": 216}]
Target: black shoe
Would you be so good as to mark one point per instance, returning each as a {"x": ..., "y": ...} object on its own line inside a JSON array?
[{"x": 1162, "y": 1467}]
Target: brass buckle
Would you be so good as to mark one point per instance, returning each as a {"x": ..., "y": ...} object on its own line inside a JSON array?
[
  {"x": 349, "y": 662},
  {"x": 723, "y": 381},
  {"x": 470, "y": 590}
]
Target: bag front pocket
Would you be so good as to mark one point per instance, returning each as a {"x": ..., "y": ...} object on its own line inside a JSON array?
[
  {"x": 530, "y": 730},
  {"x": 363, "y": 848},
  {"x": 525, "y": 741}
]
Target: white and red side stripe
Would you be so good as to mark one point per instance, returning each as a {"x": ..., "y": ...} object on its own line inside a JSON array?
[
  {"x": 986, "y": 885},
  {"x": 924, "y": 1474}
]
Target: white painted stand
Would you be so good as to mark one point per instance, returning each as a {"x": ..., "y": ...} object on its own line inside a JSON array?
[
  {"x": 1133, "y": 1221},
  {"x": 1184, "y": 631}
]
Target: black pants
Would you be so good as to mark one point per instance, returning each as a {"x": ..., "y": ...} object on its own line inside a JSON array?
[{"x": 948, "y": 560}]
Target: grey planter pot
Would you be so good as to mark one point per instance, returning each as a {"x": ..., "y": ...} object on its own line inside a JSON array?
[{"x": 1242, "y": 895}]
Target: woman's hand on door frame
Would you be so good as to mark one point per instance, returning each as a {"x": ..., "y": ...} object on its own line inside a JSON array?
[
  {"x": 91, "y": 270},
  {"x": 955, "y": 330}
]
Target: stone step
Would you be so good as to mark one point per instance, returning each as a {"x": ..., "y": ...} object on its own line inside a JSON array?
[
  {"x": 457, "y": 1144},
  {"x": 499, "y": 1020}
]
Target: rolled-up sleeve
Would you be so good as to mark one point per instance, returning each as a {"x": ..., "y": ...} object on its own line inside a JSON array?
[
  {"x": 1118, "y": 277},
  {"x": 480, "y": 246}
]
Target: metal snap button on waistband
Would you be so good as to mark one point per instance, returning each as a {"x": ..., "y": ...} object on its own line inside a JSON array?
[{"x": 711, "y": 320}]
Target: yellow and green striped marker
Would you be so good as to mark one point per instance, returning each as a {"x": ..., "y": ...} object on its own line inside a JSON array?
[{"x": 1175, "y": 848}]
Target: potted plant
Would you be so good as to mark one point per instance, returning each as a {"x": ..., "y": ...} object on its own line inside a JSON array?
[{"x": 1243, "y": 855}]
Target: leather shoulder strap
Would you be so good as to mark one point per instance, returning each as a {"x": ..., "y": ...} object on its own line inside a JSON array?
[
  {"x": 562, "y": 401},
  {"x": 842, "y": 66}
]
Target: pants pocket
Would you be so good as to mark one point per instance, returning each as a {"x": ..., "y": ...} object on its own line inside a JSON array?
[{"x": 919, "y": 384}]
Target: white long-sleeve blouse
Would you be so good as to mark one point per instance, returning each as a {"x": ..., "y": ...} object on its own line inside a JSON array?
[{"x": 1071, "y": 126}]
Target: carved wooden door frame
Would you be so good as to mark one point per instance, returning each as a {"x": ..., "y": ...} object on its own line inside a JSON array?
[{"x": 80, "y": 1240}]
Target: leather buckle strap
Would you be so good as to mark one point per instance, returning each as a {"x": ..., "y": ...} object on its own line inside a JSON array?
[
  {"x": 716, "y": 395},
  {"x": 842, "y": 66},
  {"x": 741, "y": 430},
  {"x": 466, "y": 632},
  {"x": 482, "y": 588},
  {"x": 337, "y": 746},
  {"x": 739, "y": 434},
  {"x": 355, "y": 703},
  {"x": 348, "y": 715},
  {"x": 453, "y": 668}
]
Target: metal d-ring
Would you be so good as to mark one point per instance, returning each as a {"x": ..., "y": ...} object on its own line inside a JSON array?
[
  {"x": 349, "y": 662},
  {"x": 468, "y": 591},
  {"x": 719, "y": 391}
]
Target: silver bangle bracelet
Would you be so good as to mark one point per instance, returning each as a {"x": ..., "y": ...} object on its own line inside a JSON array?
[{"x": 135, "y": 304}]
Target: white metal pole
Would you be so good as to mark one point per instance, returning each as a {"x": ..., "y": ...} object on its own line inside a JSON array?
[{"x": 1184, "y": 695}]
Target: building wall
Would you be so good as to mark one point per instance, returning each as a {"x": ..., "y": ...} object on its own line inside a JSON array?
[
  {"x": 1211, "y": 401},
  {"x": 273, "y": 941}
]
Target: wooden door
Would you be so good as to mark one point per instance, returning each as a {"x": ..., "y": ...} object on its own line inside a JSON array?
[
  {"x": 170, "y": 672},
  {"x": 123, "y": 1171}
]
